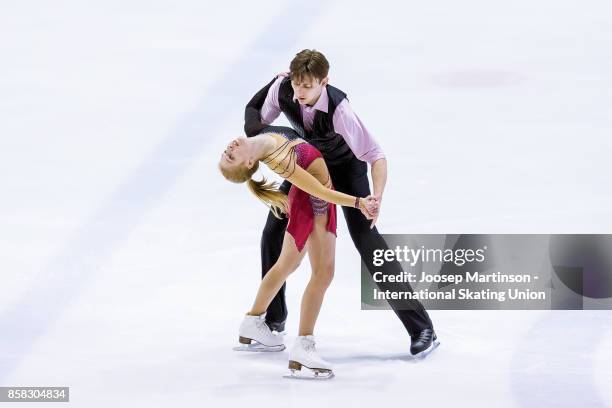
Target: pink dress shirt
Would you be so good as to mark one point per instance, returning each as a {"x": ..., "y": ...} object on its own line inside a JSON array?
[{"x": 346, "y": 123}]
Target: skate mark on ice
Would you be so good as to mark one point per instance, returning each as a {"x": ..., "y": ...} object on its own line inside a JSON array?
[
  {"x": 477, "y": 78},
  {"x": 256, "y": 356},
  {"x": 406, "y": 357}
]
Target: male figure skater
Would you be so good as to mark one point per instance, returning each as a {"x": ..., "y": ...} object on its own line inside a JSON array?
[{"x": 321, "y": 114}]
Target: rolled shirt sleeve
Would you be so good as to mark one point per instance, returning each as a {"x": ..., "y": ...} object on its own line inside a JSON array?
[
  {"x": 355, "y": 134},
  {"x": 271, "y": 108}
]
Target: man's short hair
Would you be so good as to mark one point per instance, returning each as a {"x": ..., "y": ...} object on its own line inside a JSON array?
[{"x": 309, "y": 63}]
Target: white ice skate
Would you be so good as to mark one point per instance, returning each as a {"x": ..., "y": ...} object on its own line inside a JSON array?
[
  {"x": 255, "y": 335},
  {"x": 304, "y": 362}
]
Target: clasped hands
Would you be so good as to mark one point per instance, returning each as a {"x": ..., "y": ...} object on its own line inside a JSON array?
[{"x": 370, "y": 208}]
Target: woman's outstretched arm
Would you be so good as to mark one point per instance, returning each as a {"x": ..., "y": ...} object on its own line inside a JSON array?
[{"x": 308, "y": 183}]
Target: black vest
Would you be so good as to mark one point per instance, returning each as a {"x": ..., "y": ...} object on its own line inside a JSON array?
[{"x": 323, "y": 136}]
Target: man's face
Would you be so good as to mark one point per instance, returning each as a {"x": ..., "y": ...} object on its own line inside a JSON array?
[{"x": 307, "y": 89}]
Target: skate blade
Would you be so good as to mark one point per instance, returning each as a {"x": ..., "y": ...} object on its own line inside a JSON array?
[
  {"x": 247, "y": 344},
  {"x": 310, "y": 377},
  {"x": 301, "y": 372},
  {"x": 427, "y": 351},
  {"x": 258, "y": 347}
]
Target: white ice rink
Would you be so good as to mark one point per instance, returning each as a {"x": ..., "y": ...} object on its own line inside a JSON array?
[{"x": 127, "y": 261}]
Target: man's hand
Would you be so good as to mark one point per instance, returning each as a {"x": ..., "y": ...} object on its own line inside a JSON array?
[
  {"x": 377, "y": 199},
  {"x": 379, "y": 179}
]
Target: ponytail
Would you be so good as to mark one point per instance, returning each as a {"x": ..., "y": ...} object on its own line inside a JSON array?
[{"x": 269, "y": 194}]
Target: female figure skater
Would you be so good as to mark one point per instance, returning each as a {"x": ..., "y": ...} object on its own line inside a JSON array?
[{"x": 312, "y": 226}]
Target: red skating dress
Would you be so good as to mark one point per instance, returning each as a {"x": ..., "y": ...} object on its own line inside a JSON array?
[{"x": 302, "y": 206}]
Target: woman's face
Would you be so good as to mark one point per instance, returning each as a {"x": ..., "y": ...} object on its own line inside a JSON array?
[{"x": 237, "y": 153}]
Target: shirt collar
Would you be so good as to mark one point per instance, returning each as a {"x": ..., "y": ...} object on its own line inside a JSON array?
[{"x": 322, "y": 103}]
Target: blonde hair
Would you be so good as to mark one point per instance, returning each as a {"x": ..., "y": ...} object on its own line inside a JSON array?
[{"x": 267, "y": 192}]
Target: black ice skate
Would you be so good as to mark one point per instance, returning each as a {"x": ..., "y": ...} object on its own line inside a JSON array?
[
  {"x": 278, "y": 327},
  {"x": 423, "y": 343}
]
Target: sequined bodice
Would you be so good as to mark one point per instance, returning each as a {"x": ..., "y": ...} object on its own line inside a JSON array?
[{"x": 301, "y": 154}]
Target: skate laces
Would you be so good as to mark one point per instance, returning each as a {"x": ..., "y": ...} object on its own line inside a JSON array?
[
  {"x": 425, "y": 334},
  {"x": 261, "y": 325},
  {"x": 309, "y": 346}
]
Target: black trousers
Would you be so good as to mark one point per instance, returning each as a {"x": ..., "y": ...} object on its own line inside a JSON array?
[{"x": 350, "y": 178}]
